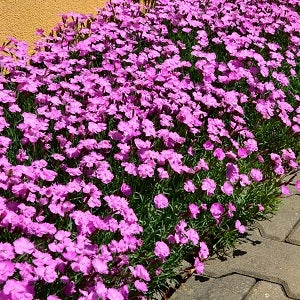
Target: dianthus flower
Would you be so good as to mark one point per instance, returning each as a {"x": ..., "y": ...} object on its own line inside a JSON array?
[
  {"x": 204, "y": 251},
  {"x": 7, "y": 269},
  {"x": 189, "y": 186},
  {"x": 161, "y": 250},
  {"x": 199, "y": 266},
  {"x": 285, "y": 191},
  {"x": 256, "y": 175},
  {"x": 217, "y": 210},
  {"x": 209, "y": 186},
  {"x": 219, "y": 154},
  {"x": 161, "y": 201},
  {"x": 194, "y": 210},
  {"x": 232, "y": 172},
  {"x": 298, "y": 185},
  {"x": 227, "y": 188},
  {"x": 239, "y": 227},
  {"x": 126, "y": 190},
  {"x": 23, "y": 245},
  {"x": 140, "y": 286},
  {"x": 231, "y": 209}
]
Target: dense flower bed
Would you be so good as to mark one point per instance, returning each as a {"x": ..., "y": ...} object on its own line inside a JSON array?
[{"x": 138, "y": 137}]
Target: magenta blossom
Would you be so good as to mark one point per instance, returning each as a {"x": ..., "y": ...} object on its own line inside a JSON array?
[
  {"x": 260, "y": 207},
  {"x": 194, "y": 210},
  {"x": 256, "y": 175},
  {"x": 161, "y": 250},
  {"x": 298, "y": 185},
  {"x": 140, "y": 286},
  {"x": 199, "y": 266},
  {"x": 189, "y": 186},
  {"x": 239, "y": 227},
  {"x": 161, "y": 201},
  {"x": 232, "y": 172},
  {"x": 231, "y": 209},
  {"x": 227, "y": 188},
  {"x": 217, "y": 211},
  {"x": 23, "y": 245},
  {"x": 209, "y": 186},
  {"x": 126, "y": 190},
  {"x": 204, "y": 251},
  {"x": 285, "y": 191}
]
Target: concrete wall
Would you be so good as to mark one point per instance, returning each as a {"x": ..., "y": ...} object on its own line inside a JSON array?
[{"x": 21, "y": 18}]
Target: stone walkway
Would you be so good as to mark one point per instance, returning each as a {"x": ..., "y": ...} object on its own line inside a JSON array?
[{"x": 265, "y": 265}]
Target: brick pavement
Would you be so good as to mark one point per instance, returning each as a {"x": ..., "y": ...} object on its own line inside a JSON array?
[{"x": 265, "y": 265}]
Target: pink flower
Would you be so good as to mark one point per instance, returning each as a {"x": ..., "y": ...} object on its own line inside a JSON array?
[
  {"x": 244, "y": 180},
  {"x": 239, "y": 227},
  {"x": 100, "y": 266},
  {"x": 219, "y": 154},
  {"x": 279, "y": 169},
  {"x": 7, "y": 269},
  {"x": 18, "y": 290},
  {"x": 193, "y": 236},
  {"x": 199, "y": 266},
  {"x": 158, "y": 271},
  {"x": 260, "y": 207},
  {"x": 285, "y": 191},
  {"x": 23, "y": 245},
  {"x": 251, "y": 145},
  {"x": 189, "y": 186},
  {"x": 126, "y": 190},
  {"x": 231, "y": 209},
  {"x": 21, "y": 156},
  {"x": 203, "y": 206},
  {"x": 145, "y": 170},
  {"x": 140, "y": 286},
  {"x": 114, "y": 294},
  {"x": 298, "y": 185},
  {"x": 162, "y": 174},
  {"x": 194, "y": 210},
  {"x": 101, "y": 290},
  {"x": 204, "y": 251},
  {"x": 47, "y": 273},
  {"x": 161, "y": 201},
  {"x": 256, "y": 175},
  {"x": 140, "y": 272},
  {"x": 161, "y": 250},
  {"x": 217, "y": 210},
  {"x": 53, "y": 297},
  {"x": 6, "y": 251},
  {"x": 227, "y": 188},
  {"x": 202, "y": 165},
  {"x": 208, "y": 145},
  {"x": 209, "y": 186},
  {"x": 232, "y": 172},
  {"x": 242, "y": 152}
]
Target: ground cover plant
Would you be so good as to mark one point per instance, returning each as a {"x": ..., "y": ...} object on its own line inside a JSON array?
[{"x": 141, "y": 136}]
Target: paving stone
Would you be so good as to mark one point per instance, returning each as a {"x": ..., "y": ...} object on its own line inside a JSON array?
[
  {"x": 266, "y": 290},
  {"x": 264, "y": 259},
  {"x": 294, "y": 236},
  {"x": 280, "y": 225},
  {"x": 231, "y": 287}
]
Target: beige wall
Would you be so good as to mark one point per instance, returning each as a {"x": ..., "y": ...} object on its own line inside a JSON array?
[{"x": 21, "y": 18}]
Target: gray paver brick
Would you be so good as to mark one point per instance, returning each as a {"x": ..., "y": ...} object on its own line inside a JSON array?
[
  {"x": 231, "y": 287},
  {"x": 294, "y": 236},
  {"x": 264, "y": 290},
  {"x": 281, "y": 224},
  {"x": 264, "y": 259}
]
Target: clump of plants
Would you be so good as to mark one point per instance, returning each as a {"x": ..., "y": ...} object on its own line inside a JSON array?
[{"x": 138, "y": 137}]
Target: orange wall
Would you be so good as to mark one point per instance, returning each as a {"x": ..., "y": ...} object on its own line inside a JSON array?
[{"x": 21, "y": 18}]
